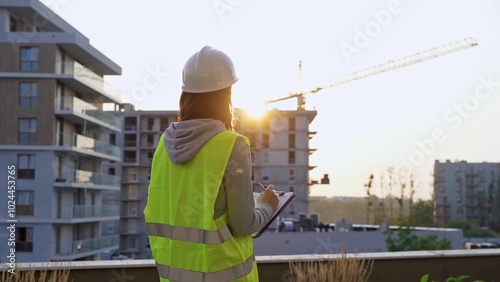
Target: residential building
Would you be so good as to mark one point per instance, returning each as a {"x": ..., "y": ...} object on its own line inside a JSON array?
[
  {"x": 138, "y": 140},
  {"x": 52, "y": 94},
  {"x": 279, "y": 148},
  {"x": 465, "y": 191}
]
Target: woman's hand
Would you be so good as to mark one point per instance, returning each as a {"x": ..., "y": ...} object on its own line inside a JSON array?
[{"x": 268, "y": 196}]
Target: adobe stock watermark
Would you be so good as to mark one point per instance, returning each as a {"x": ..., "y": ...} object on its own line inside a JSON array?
[
  {"x": 151, "y": 81},
  {"x": 454, "y": 116},
  {"x": 222, "y": 7},
  {"x": 363, "y": 36}
]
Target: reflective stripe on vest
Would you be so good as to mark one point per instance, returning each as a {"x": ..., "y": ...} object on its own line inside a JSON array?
[
  {"x": 190, "y": 234},
  {"x": 228, "y": 274}
]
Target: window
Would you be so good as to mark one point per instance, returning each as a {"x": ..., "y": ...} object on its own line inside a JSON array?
[
  {"x": 24, "y": 239},
  {"x": 291, "y": 157},
  {"x": 132, "y": 226},
  {"x": 132, "y": 191},
  {"x": 130, "y": 123},
  {"x": 163, "y": 123},
  {"x": 130, "y": 157},
  {"x": 132, "y": 176},
  {"x": 111, "y": 171},
  {"x": 291, "y": 140},
  {"x": 29, "y": 59},
  {"x": 28, "y": 94},
  {"x": 112, "y": 138},
  {"x": 151, "y": 123},
  {"x": 25, "y": 202},
  {"x": 291, "y": 123},
  {"x": 110, "y": 227},
  {"x": 291, "y": 188},
  {"x": 131, "y": 243},
  {"x": 27, "y": 130},
  {"x": 265, "y": 157},
  {"x": 253, "y": 139},
  {"x": 26, "y": 166},
  {"x": 291, "y": 175},
  {"x": 12, "y": 24},
  {"x": 253, "y": 159},
  {"x": 150, "y": 155},
  {"x": 265, "y": 140},
  {"x": 151, "y": 140},
  {"x": 265, "y": 174},
  {"x": 130, "y": 140},
  {"x": 132, "y": 209}
]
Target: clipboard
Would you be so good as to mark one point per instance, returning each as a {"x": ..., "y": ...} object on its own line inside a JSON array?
[{"x": 284, "y": 199}]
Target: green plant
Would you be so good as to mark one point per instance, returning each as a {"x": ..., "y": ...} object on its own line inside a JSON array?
[
  {"x": 461, "y": 278},
  {"x": 406, "y": 240}
]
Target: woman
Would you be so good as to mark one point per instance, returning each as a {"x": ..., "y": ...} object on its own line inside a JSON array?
[{"x": 200, "y": 212}]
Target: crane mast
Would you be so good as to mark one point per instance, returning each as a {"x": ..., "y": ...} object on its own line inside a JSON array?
[{"x": 418, "y": 57}]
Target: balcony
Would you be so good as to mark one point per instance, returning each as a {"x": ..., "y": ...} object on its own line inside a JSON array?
[
  {"x": 387, "y": 267},
  {"x": 71, "y": 250},
  {"x": 81, "y": 112},
  {"x": 88, "y": 146},
  {"x": 88, "y": 179},
  {"x": 84, "y": 80},
  {"x": 87, "y": 213}
]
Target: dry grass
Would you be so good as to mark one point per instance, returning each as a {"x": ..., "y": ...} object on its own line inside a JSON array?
[
  {"x": 341, "y": 269},
  {"x": 58, "y": 273}
]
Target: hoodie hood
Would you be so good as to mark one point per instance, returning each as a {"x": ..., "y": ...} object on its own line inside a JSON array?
[{"x": 183, "y": 140}]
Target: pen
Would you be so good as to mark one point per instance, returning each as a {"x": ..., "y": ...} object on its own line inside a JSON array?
[
  {"x": 262, "y": 186},
  {"x": 279, "y": 193}
]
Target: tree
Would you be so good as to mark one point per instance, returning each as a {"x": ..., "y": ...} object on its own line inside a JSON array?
[
  {"x": 422, "y": 213},
  {"x": 470, "y": 229},
  {"x": 369, "y": 198},
  {"x": 406, "y": 240}
]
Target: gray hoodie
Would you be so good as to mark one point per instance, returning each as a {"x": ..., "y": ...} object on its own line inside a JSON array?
[{"x": 183, "y": 140}]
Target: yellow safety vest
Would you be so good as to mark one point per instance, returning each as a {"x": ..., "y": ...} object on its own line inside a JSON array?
[{"x": 186, "y": 242}]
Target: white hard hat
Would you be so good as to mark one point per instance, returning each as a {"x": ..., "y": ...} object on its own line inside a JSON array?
[{"x": 208, "y": 70}]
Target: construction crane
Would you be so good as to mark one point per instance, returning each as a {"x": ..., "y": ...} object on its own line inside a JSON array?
[{"x": 381, "y": 68}]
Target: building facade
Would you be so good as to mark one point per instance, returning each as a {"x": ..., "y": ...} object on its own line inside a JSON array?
[
  {"x": 141, "y": 131},
  {"x": 52, "y": 93},
  {"x": 466, "y": 191}
]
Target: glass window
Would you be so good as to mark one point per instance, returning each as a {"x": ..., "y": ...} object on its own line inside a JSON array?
[
  {"x": 291, "y": 157},
  {"x": 265, "y": 140},
  {"x": 24, "y": 239},
  {"x": 28, "y": 94},
  {"x": 291, "y": 123},
  {"x": 25, "y": 202},
  {"x": 27, "y": 130},
  {"x": 132, "y": 191},
  {"x": 265, "y": 174},
  {"x": 291, "y": 140},
  {"x": 29, "y": 59},
  {"x": 26, "y": 166},
  {"x": 131, "y": 243},
  {"x": 291, "y": 175}
]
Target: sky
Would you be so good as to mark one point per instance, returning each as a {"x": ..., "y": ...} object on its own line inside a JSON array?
[{"x": 445, "y": 108}]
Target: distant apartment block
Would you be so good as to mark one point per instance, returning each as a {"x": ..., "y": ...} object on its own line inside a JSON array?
[
  {"x": 52, "y": 93},
  {"x": 138, "y": 139},
  {"x": 465, "y": 191},
  {"x": 279, "y": 150}
]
